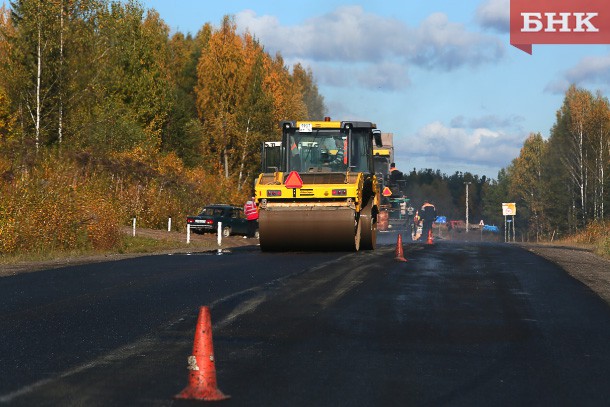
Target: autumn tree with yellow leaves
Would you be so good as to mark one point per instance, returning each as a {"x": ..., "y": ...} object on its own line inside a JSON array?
[
  {"x": 580, "y": 145},
  {"x": 527, "y": 184},
  {"x": 242, "y": 93},
  {"x": 106, "y": 115},
  {"x": 560, "y": 184}
]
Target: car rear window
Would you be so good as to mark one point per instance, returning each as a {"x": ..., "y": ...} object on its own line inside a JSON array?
[{"x": 211, "y": 211}]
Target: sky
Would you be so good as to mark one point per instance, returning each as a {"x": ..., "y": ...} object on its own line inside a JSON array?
[{"x": 440, "y": 75}]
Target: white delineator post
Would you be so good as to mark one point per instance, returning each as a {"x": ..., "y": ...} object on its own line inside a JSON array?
[
  {"x": 133, "y": 227},
  {"x": 219, "y": 234},
  {"x": 188, "y": 233},
  {"x": 169, "y": 224}
]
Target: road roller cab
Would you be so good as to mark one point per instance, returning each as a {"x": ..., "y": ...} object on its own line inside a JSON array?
[{"x": 321, "y": 192}]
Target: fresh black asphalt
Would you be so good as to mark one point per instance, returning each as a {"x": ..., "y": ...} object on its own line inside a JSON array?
[{"x": 458, "y": 324}]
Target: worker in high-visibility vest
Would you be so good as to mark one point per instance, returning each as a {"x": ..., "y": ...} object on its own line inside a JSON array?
[
  {"x": 251, "y": 212},
  {"x": 410, "y": 215},
  {"x": 428, "y": 215},
  {"x": 416, "y": 232}
]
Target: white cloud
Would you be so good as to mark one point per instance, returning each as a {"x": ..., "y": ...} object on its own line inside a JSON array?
[
  {"x": 349, "y": 34},
  {"x": 384, "y": 76},
  {"x": 494, "y": 14},
  {"x": 589, "y": 71},
  {"x": 557, "y": 86},
  {"x": 478, "y": 146},
  {"x": 443, "y": 44},
  {"x": 488, "y": 121}
]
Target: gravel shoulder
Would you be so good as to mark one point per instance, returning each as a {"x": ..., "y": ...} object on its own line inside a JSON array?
[{"x": 580, "y": 262}]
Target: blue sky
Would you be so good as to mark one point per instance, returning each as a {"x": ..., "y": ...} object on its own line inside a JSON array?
[{"x": 440, "y": 75}]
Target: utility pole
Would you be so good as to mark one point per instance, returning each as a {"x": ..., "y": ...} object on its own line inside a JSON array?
[{"x": 467, "y": 183}]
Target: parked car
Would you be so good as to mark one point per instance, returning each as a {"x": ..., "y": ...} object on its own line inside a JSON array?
[{"x": 232, "y": 217}]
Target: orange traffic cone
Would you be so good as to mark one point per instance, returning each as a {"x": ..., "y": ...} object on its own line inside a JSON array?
[
  {"x": 202, "y": 370},
  {"x": 399, "y": 253},
  {"x": 430, "y": 241}
]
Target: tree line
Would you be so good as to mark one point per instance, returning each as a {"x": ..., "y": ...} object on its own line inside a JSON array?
[
  {"x": 105, "y": 114},
  {"x": 560, "y": 183},
  {"x": 107, "y": 76}
]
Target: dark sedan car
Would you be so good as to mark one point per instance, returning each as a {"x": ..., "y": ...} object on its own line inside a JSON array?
[{"x": 232, "y": 217}]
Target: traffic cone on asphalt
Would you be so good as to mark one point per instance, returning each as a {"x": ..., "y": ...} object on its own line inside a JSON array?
[
  {"x": 430, "y": 241},
  {"x": 202, "y": 370},
  {"x": 399, "y": 253}
]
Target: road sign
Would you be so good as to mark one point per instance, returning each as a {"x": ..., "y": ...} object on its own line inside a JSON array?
[
  {"x": 386, "y": 192},
  {"x": 509, "y": 209},
  {"x": 481, "y": 223}
]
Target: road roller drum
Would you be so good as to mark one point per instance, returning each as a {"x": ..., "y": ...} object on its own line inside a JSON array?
[{"x": 309, "y": 228}]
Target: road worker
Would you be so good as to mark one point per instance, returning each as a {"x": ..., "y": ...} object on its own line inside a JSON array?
[
  {"x": 428, "y": 215},
  {"x": 251, "y": 212},
  {"x": 395, "y": 175},
  {"x": 416, "y": 229}
]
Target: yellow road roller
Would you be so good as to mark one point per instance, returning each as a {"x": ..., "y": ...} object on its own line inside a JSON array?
[{"x": 321, "y": 193}]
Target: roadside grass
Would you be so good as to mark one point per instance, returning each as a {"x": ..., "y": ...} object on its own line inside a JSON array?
[
  {"x": 143, "y": 244},
  {"x": 40, "y": 256},
  {"x": 127, "y": 245},
  {"x": 596, "y": 235},
  {"x": 602, "y": 247}
]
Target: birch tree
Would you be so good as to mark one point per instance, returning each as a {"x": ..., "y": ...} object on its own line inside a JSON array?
[
  {"x": 7, "y": 119},
  {"x": 35, "y": 66},
  {"x": 574, "y": 116},
  {"x": 599, "y": 144}
]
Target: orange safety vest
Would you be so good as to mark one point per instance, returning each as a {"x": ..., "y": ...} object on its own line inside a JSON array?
[{"x": 250, "y": 210}]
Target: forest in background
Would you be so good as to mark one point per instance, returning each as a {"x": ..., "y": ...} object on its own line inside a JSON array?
[
  {"x": 560, "y": 184},
  {"x": 106, "y": 115}
]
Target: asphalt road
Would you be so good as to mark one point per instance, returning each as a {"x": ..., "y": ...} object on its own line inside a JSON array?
[{"x": 457, "y": 324}]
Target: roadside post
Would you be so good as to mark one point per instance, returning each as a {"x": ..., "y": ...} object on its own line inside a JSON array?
[
  {"x": 188, "y": 233},
  {"x": 219, "y": 234},
  {"x": 169, "y": 224},
  {"x": 133, "y": 227}
]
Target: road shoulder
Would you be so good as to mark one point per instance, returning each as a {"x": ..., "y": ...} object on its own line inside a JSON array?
[{"x": 580, "y": 262}]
